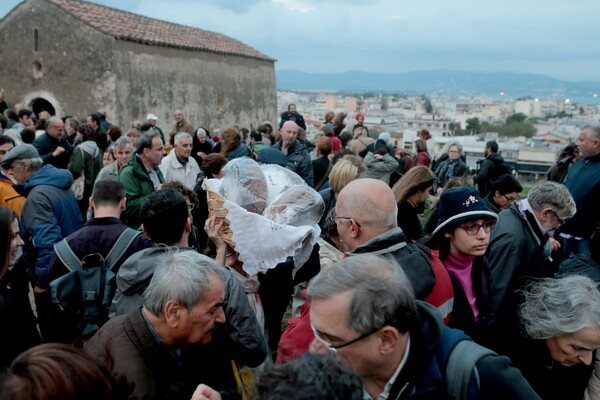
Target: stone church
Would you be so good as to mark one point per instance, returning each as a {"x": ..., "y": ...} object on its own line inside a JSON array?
[{"x": 75, "y": 57}]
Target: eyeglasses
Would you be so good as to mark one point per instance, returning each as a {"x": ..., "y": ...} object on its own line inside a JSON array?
[
  {"x": 190, "y": 206},
  {"x": 510, "y": 200},
  {"x": 472, "y": 229},
  {"x": 335, "y": 348},
  {"x": 560, "y": 220},
  {"x": 158, "y": 149},
  {"x": 335, "y": 218}
]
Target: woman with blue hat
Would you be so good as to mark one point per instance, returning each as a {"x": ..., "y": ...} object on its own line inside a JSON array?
[{"x": 462, "y": 237}]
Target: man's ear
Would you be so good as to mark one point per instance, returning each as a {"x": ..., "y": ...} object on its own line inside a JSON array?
[
  {"x": 188, "y": 225},
  {"x": 144, "y": 231},
  {"x": 172, "y": 312},
  {"x": 122, "y": 204},
  {"x": 91, "y": 203},
  {"x": 389, "y": 339}
]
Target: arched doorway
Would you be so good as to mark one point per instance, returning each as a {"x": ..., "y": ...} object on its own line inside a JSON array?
[{"x": 40, "y": 104}]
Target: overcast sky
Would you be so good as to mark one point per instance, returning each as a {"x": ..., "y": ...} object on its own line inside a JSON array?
[{"x": 550, "y": 37}]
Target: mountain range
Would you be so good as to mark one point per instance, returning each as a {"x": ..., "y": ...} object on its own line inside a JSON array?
[{"x": 442, "y": 82}]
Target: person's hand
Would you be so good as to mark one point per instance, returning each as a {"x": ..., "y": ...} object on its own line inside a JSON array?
[
  {"x": 378, "y": 156},
  {"x": 204, "y": 392},
  {"x": 554, "y": 244},
  {"x": 439, "y": 191},
  {"x": 58, "y": 151},
  {"x": 201, "y": 154},
  {"x": 212, "y": 228},
  {"x": 39, "y": 290}
]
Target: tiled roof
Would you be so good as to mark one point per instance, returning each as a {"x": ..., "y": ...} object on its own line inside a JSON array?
[{"x": 124, "y": 25}]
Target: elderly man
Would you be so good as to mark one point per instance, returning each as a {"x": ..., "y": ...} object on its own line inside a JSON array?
[
  {"x": 165, "y": 220},
  {"x": 122, "y": 150},
  {"x": 178, "y": 165},
  {"x": 181, "y": 124},
  {"x": 142, "y": 175},
  {"x": 517, "y": 253},
  {"x": 364, "y": 309},
  {"x": 49, "y": 214},
  {"x": 8, "y": 196},
  {"x": 151, "y": 119},
  {"x": 583, "y": 181},
  {"x": 298, "y": 158},
  {"x": 52, "y": 146},
  {"x": 163, "y": 346}
]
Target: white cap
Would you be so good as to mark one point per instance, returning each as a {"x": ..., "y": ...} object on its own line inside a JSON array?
[{"x": 152, "y": 116}]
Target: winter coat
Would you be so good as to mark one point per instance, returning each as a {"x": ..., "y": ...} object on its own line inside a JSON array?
[
  {"x": 240, "y": 150},
  {"x": 46, "y": 144},
  {"x": 246, "y": 339},
  {"x": 8, "y": 195},
  {"x": 110, "y": 171},
  {"x": 297, "y": 118},
  {"x": 156, "y": 370},
  {"x": 138, "y": 185},
  {"x": 449, "y": 169},
  {"x": 583, "y": 182},
  {"x": 86, "y": 158},
  {"x": 299, "y": 161},
  {"x": 423, "y": 158},
  {"x": 359, "y": 144},
  {"x": 173, "y": 170},
  {"x": 580, "y": 264},
  {"x": 488, "y": 172},
  {"x": 409, "y": 221},
  {"x": 379, "y": 168},
  {"x": 50, "y": 214},
  {"x": 516, "y": 256}
]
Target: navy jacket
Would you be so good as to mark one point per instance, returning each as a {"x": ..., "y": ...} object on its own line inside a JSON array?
[
  {"x": 46, "y": 144},
  {"x": 583, "y": 181},
  {"x": 50, "y": 214}
]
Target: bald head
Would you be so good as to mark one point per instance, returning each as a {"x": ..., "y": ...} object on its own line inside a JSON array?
[
  {"x": 289, "y": 132},
  {"x": 372, "y": 204}
]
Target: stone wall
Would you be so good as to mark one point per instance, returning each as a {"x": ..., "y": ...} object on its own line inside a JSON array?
[{"x": 84, "y": 70}]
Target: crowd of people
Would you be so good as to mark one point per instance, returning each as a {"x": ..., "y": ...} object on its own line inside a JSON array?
[{"x": 162, "y": 265}]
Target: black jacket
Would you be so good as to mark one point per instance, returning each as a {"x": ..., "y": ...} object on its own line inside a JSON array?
[
  {"x": 46, "y": 144},
  {"x": 297, "y": 118},
  {"x": 488, "y": 172}
]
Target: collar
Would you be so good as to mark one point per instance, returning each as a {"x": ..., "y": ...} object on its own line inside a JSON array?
[
  {"x": 525, "y": 206},
  {"x": 174, "y": 352},
  {"x": 395, "y": 237}
]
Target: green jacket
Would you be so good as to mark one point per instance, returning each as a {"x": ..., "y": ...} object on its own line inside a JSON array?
[{"x": 137, "y": 186}]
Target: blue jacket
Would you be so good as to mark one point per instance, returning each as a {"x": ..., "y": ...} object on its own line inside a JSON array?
[
  {"x": 50, "y": 214},
  {"x": 583, "y": 181},
  {"x": 46, "y": 144}
]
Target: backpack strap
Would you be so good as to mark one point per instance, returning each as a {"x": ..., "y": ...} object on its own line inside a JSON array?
[
  {"x": 67, "y": 256},
  {"x": 121, "y": 246},
  {"x": 461, "y": 365}
]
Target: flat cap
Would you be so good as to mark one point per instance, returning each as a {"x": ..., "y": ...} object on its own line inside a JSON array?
[{"x": 20, "y": 152}]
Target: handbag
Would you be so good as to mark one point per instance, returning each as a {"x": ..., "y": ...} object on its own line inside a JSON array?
[{"x": 78, "y": 185}]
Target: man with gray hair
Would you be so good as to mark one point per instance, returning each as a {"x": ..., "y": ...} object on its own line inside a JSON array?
[
  {"x": 178, "y": 165},
  {"x": 122, "y": 150},
  {"x": 166, "y": 347},
  {"x": 364, "y": 310},
  {"x": 583, "y": 181},
  {"x": 50, "y": 213},
  {"x": 517, "y": 253},
  {"x": 142, "y": 175}
]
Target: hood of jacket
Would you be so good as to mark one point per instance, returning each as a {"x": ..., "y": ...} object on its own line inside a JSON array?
[
  {"x": 47, "y": 175},
  {"x": 90, "y": 147}
]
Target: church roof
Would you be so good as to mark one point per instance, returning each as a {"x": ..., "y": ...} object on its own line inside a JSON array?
[{"x": 124, "y": 25}]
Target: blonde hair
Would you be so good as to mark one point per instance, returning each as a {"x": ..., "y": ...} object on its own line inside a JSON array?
[{"x": 342, "y": 173}]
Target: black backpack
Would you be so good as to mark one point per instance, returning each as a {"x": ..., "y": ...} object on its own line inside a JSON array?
[{"x": 85, "y": 293}]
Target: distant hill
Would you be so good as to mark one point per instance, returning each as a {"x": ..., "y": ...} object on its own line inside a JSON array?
[{"x": 441, "y": 82}]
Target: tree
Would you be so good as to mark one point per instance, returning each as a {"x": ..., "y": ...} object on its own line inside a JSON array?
[
  {"x": 473, "y": 126},
  {"x": 428, "y": 106},
  {"x": 384, "y": 103},
  {"x": 454, "y": 127},
  {"x": 518, "y": 117}
]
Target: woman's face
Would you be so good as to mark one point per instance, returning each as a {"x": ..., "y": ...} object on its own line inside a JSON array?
[
  {"x": 360, "y": 119},
  {"x": 574, "y": 348},
  {"x": 202, "y": 137},
  {"x": 15, "y": 242},
  {"x": 107, "y": 158},
  {"x": 423, "y": 195},
  {"x": 463, "y": 244},
  {"x": 453, "y": 152}
]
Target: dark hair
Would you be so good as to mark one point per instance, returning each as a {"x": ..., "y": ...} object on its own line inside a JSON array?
[
  {"x": 11, "y": 114},
  {"x": 109, "y": 191},
  {"x": 184, "y": 190},
  {"x": 6, "y": 139},
  {"x": 257, "y": 136},
  {"x": 164, "y": 214},
  {"x": 96, "y": 118},
  {"x": 290, "y": 106},
  {"x": 345, "y": 137},
  {"x": 212, "y": 164},
  {"x": 24, "y": 112},
  {"x": 59, "y": 371},
  {"x": 40, "y": 124},
  {"x": 492, "y": 145},
  {"x": 420, "y": 145},
  {"x": 27, "y": 135},
  {"x": 315, "y": 377},
  {"x": 381, "y": 151},
  {"x": 115, "y": 132},
  {"x": 594, "y": 246},
  {"x": 3, "y": 121},
  {"x": 244, "y": 133},
  {"x": 506, "y": 184},
  {"x": 145, "y": 127},
  {"x": 144, "y": 141}
]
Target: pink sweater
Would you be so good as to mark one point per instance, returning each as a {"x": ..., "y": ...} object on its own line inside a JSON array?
[{"x": 461, "y": 267}]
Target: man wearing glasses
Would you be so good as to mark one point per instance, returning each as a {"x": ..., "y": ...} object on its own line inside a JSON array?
[
  {"x": 583, "y": 181},
  {"x": 517, "y": 254},
  {"x": 364, "y": 309},
  {"x": 142, "y": 175},
  {"x": 503, "y": 192}
]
